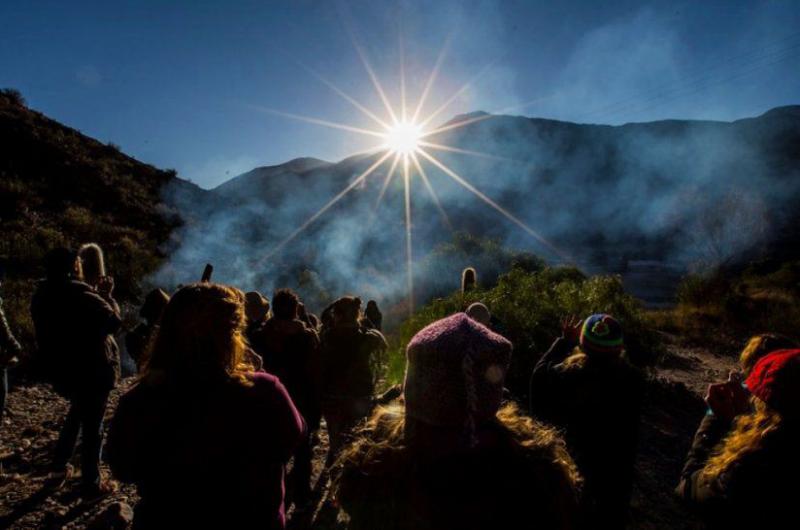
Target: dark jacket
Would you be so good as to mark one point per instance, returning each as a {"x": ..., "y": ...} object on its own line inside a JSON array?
[
  {"x": 757, "y": 491},
  {"x": 348, "y": 355},
  {"x": 138, "y": 340},
  {"x": 597, "y": 404},
  {"x": 290, "y": 351},
  {"x": 206, "y": 454},
  {"x": 74, "y": 332}
]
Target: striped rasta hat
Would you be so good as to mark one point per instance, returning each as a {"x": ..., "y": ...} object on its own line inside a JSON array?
[{"x": 601, "y": 333}]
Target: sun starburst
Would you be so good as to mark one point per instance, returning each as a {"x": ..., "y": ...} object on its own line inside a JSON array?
[{"x": 405, "y": 142}]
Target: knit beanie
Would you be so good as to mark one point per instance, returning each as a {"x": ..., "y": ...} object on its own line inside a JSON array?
[
  {"x": 775, "y": 380},
  {"x": 601, "y": 334},
  {"x": 455, "y": 372}
]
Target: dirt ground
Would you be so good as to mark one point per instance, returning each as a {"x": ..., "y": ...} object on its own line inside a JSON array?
[{"x": 673, "y": 408}]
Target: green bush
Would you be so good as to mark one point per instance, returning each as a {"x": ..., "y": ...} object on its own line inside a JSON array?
[{"x": 529, "y": 307}]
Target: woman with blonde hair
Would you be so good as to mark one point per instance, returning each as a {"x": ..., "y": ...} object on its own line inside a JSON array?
[
  {"x": 452, "y": 455},
  {"x": 203, "y": 435},
  {"x": 743, "y": 466},
  {"x": 760, "y": 345}
]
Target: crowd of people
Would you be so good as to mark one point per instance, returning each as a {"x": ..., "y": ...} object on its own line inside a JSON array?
[{"x": 232, "y": 387}]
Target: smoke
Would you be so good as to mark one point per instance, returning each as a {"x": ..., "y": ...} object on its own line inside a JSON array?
[{"x": 676, "y": 192}]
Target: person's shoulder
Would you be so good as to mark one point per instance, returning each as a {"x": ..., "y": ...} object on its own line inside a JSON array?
[
  {"x": 263, "y": 383},
  {"x": 373, "y": 335}
]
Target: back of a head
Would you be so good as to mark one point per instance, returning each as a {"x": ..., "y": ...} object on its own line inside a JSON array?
[
  {"x": 775, "y": 380},
  {"x": 347, "y": 310},
  {"x": 60, "y": 263},
  {"x": 601, "y": 336},
  {"x": 154, "y": 304},
  {"x": 760, "y": 345},
  {"x": 92, "y": 263},
  {"x": 201, "y": 332},
  {"x": 256, "y": 306},
  {"x": 455, "y": 371},
  {"x": 284, "y": 304},
  {"x": 479, "y": 313}
]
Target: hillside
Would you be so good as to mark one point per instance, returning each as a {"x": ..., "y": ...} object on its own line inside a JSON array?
[
  {"x": 664, "y": 196},
  {"x": 58, "y": 186}
]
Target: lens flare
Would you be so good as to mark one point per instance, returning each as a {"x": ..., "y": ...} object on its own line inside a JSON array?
[{"x": 403, "y": 138}]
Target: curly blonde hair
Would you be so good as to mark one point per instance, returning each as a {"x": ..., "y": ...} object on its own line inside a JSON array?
[
  {"x": 385, "y": 449},
  {"x": 760, "y": 345},
  {"x": 748, "y": 435},
  {"x": 201, "y": 332}
]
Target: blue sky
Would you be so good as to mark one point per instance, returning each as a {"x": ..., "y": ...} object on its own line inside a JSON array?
[{"x": 178, "y": 84}]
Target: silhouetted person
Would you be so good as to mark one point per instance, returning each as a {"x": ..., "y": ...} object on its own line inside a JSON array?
[
  {"x": 374, "y": 315},
  {"x": 204, "y": 437},
  {"x": 479, "y": 313},
  {"x": 256, "y": 310},
  {"x": 348, "y": 353},
  {"x": 9, "y": 350},
  {"x": 742, "y": 469},
  {"x": 453, "y": 456},
  {"x": 291, "y": 352},
  {"x": 584, "y": 386},
  {"x": 138, "y": 339},
  {"x": 74, "y": 332},
  {"x": 309, "y": 319}
]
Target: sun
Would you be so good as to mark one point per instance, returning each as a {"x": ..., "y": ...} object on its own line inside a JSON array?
[
  {"x": 407, "y": 141},
  {"x": 403, "y": 138}
]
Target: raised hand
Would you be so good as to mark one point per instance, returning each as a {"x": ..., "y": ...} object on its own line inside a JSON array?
[
  {"x": 571, "y": 328},
  {"x": 105, "y": 286},
  {"x": 729, "y": 399}
]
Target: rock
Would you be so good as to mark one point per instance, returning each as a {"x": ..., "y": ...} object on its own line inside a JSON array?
[{"x": 117, "y": 515}]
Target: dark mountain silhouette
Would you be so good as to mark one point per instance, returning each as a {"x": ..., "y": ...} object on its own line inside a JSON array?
[
  {"x": 666, "y": 191},
  {"x": 60, "y": 187}
]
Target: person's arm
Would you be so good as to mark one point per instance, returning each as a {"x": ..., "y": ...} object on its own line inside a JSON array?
[
  {"x": 725, "y": 401},
  {"x": 693, "y": 487},
  {"x": 287, "y": 426},
  {"x": 543, "y": 370},
  {"x": 102, "y": 314}
]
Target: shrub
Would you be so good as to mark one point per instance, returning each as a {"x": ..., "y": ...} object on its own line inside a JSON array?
[
  {"x": 14, "y": 96},
  {"x": 529, "y": 307}
]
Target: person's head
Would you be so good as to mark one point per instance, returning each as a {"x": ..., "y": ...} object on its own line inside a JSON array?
[
  {"x": 347, "y": 310},
  {"x": 93, "y": 263},
  {"x": 372, "y": 307},
  {"x": 154, "y": 304},
  {"x": 774, "y": 383},
  {"x": 479, "y": 313},
  {"x": 61, "y": 263},
  {"x": 201, "y": 333},
  {"x": 469, "y": 279},
  {"x": 760, "y": 345},
  {"x": 601, "y": 335},
  {"x": 256, "y": 306},
  {"x": 284, "y": 304},
  {"x": 455, "y": 369}
]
